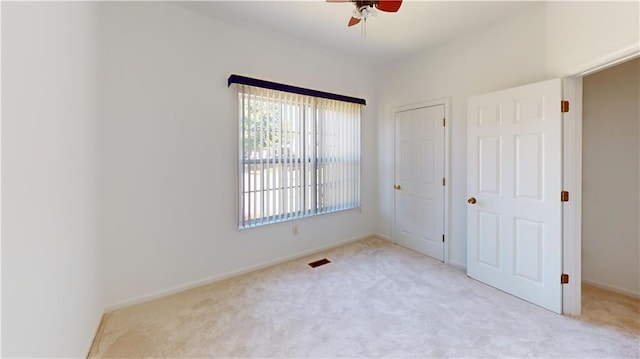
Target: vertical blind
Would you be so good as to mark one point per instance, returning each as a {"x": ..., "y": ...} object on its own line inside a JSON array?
[{"x": 299, "y": 155}]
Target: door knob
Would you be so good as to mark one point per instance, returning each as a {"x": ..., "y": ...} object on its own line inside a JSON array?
[
  {"x": 472, "y": 200},
  {"x": 397, "y": 187}
]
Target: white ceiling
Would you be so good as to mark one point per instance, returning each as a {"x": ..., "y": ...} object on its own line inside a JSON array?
[{"x": 417, "y": 26}]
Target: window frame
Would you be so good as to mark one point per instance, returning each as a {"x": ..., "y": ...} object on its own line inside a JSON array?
[{"x": 311, "y": 161}]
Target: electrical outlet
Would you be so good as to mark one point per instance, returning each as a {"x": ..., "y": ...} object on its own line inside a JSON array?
[{"x": 294, "y": 230}]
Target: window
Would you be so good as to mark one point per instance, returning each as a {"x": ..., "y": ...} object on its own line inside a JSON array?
[{"x": 299, "y": 155}]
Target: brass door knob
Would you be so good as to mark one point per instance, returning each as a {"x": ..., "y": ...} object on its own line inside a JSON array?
[
  {"x": 471, "y": 200},
  {"x": 397, "y": 187}
]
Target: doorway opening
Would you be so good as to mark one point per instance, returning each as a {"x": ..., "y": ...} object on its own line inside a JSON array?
[
  {"x": 573, "y": 174},
  {"x": 610, "y": 196}
]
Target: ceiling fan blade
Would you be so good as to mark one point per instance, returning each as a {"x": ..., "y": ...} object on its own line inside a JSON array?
[
  {"x": 389, "y": 5},
  {"x": 353, "y": 21}
]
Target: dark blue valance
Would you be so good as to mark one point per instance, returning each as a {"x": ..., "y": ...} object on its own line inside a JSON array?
[{"x": 237, "y": 79}]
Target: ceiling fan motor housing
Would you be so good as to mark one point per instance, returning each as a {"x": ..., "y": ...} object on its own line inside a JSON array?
[{"x": 367, "y": 9}]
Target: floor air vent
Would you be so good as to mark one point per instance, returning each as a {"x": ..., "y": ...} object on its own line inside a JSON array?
[{"x": 318, "y": 263}]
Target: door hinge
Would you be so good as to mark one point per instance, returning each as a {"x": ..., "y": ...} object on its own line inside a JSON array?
[
  {"x": 443, "y": 237},
  {"x": 564, "y": 196},
  {"x": 444, "y": 181},
  {"x": 444, "y": 122},
  {"x": 564, "y": 278},
  {"x": 564, "y": 106}
]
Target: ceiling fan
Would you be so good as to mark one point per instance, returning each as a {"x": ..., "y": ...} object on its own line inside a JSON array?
[{"x": 367, "y": 9}]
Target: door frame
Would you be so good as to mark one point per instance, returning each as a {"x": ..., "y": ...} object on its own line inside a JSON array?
[
  {"x": 446, "y": 102},
  {"x": 572, "y": 174}
]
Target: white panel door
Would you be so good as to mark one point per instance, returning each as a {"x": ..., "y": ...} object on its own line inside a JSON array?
[
  {"x": 419, "y": 172},
  {"x": 514, "y": 214}
]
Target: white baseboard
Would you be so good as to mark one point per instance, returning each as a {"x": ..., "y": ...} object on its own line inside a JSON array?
[
  {"x": 234, "y": 273},
  {"x": 611, "y": 288},
  {"x": 382, "y": 236},
  {"x": 96, "y": 331},
  {"x": 457, "y": 265}
]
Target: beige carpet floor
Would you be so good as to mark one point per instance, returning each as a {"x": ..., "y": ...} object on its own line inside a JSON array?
[{"x": 374, "y": 300}]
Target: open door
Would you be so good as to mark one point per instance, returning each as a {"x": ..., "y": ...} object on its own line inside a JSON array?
[{"x": 514, "y": 211}]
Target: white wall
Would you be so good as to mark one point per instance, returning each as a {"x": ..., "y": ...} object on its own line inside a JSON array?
[
  {"x": 580, "y": 33},
  {"x": 52, "y": 297},
  {"x": 168, "y": 147},
  {"x": 610, "y": 238},
  {"x": 505, "y": 55}
]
